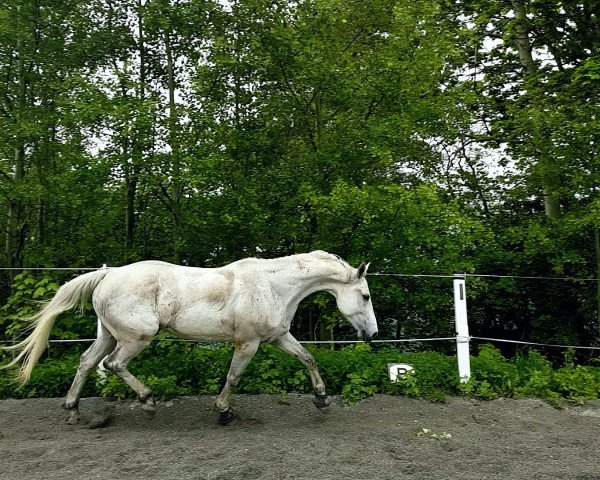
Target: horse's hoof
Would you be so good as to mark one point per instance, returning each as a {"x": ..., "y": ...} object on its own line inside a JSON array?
[
  {"x": 69, "y": 408},
  {"x": 74, "y": 418},
  {"x": 227, "y": 417},
  {"x": 321, "y": 401},
  {"x": 149, "y": 411},
  {"x": 74, "y": 415},
  {"x": 148, "y": 406}
]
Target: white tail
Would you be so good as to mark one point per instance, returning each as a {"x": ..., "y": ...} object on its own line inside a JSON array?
[{"x": 68, "y": 296}]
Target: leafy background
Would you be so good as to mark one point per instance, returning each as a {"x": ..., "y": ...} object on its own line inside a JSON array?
[{"x": 423, "y": 136}]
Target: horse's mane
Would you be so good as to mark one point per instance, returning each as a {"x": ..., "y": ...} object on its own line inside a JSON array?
[
  {"x": 348, "y": 271},
  {"x": 339, "y": 267}
]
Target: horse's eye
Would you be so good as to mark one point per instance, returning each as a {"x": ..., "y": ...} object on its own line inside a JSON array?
[{"x": 366, "y": 298}]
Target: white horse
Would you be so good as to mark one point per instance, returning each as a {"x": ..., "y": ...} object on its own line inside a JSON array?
[{"x": 247, "y": 302}]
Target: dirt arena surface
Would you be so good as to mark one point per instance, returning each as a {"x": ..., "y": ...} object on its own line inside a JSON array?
[{"x": 382, "y": 437}]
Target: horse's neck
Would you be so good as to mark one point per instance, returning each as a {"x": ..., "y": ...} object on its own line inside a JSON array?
[{"x": 301, "y": 279}]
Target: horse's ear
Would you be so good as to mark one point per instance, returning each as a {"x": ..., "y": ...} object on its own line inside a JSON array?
[{"x": 362, "y": 269}]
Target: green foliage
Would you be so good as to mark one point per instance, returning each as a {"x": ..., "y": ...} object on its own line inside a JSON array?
[
  {"x": 358, "y": 386},
  {"x": 494, "y": 370},
  {"x": 163, "y": 387},
  {"x": 51, "y": 379},
  {"x": 577, "y": 383},
  {"x": 30, "y": 292},
  {"x": 530, "y": 375},
  {"x": 408, "y": 134},
  {"x": 354, "y": 373}
]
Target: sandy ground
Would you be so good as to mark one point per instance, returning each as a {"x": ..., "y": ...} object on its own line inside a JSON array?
[{"x": 380, "y": 438}]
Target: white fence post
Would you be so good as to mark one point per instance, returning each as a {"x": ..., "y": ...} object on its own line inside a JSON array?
[
  {"x": 462, "y": 327},
  {"x": 101, "y": 370}
]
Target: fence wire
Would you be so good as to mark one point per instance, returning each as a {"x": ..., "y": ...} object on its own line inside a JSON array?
[
  {"x": 304, "y": 342},
  {"x": 330, "y": 342},
  {"x": 343, "y": 342},
  {"x": 520, "y": 342},
  {"x": 374, "y": 274}
]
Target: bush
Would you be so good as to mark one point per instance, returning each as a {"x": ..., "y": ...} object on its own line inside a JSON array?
[{"x": 354, "y": 372}]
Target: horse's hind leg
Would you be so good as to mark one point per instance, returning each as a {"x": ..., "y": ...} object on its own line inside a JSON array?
[
  {"x": 88, "y": 361},
  {"x": 289, "y": 344},
  {"x": 117, "y": 362}
]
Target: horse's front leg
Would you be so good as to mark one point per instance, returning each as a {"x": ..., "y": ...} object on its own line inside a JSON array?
[
  {"x": 241, "y": 357},
  {"x": 289, "y": 344}
]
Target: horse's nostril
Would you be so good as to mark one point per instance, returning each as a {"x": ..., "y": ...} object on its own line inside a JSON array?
[{"x": 374, "y": 334}]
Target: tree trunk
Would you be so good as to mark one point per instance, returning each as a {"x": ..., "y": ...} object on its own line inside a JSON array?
[
  {"x": 14, "y": 225},
  {"x": 597, "y": 247},
  {"x": 177, "y": 192},
  {"x": 549, "y": 180},
  {"x": 319, "y": 120},
  {"x": 131, "y": 182},
  {"x": 133, "y": 170}
]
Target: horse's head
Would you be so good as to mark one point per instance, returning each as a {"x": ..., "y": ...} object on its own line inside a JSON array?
[{"x": 354, "y": 301}]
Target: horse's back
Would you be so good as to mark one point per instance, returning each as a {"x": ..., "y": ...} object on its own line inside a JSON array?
[
  {"x": 148, "y": 280},
  {"x": 192, "y": 302}
]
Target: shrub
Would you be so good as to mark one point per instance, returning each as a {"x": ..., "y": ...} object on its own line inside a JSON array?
[
  {"x": 354, "y": 372},
  {"x": 577, "y": 383}
]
